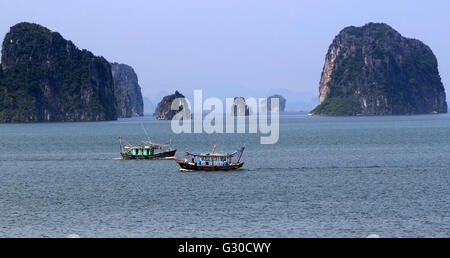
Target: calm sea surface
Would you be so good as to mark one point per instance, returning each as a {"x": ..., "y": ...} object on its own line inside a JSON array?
[{"x": 327, "y": 177}]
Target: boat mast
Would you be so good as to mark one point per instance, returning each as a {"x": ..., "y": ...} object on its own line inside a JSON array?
[
  {"x": 146, "y": 134},
  {"x": 121, "y": 145},
  {"x": 240, "y": 155}
]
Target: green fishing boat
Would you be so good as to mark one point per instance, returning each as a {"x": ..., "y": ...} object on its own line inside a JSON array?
[{"x": 147, "y": 150}]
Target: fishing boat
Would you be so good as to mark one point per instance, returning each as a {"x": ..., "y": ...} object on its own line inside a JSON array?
[
  {"x": 212, "y": 161},
  {"x": 147, "y": 150}
]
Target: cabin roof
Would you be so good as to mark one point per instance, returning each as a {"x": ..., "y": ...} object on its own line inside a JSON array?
[
  {"x": 144, "y": 147},
  {"x": 216, "y": 154},
  {"x": 208, "y": 154}
]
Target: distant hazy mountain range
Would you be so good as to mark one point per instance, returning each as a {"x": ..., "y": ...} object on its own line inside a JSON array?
[{"x": 149, "y": 107}]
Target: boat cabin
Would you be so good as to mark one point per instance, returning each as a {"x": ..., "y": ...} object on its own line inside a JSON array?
[
  {"x": 210, "y": 159},
  {"x": 139, "y": 151}
]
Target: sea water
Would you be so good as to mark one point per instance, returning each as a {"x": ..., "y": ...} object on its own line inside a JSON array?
[{"x": 326, "y": 177}]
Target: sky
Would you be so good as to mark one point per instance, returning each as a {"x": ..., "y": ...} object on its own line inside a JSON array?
[{"x": 228, "y": 47}]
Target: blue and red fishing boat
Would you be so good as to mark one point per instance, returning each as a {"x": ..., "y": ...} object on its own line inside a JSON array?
[{"x": 212, "y": 161}]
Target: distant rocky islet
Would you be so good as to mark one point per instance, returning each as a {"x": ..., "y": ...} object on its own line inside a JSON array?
[
  {"x": 267, "y": 104},
  {"x": 240, "y": 107},
  {"x": 165, "y": 111}
]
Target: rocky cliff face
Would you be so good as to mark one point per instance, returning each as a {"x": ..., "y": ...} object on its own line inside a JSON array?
[
  {"x": 373, "y": 70},
  {"x": 240, "y": 107},
  {"x": 164, "y": 109},
  {"x": 47, "y": 78},
  {"x": 267, "y": 104},
  {"x": 127, "y": 91}
]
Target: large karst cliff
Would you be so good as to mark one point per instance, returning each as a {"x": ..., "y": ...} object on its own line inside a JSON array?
[
  {"x": 127, "y": 91},
  {"x": 47, "y": 78},
  {"x": 373, "y": 70}
]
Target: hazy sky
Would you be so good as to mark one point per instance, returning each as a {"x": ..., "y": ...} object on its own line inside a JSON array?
[{"x": 227, "y": 47}]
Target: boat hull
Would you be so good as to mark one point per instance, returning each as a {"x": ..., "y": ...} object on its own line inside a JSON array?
[
  {"x": 163, "y": 155},
  {"x": 194, "y": 167}
]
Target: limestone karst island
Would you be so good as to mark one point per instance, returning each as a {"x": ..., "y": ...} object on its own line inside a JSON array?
[
  {"x": 373, "y": 70},
  {"x": 44, "y": 77}
]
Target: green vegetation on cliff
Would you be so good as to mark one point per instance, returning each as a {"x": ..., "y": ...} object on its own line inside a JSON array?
[
  {"x": 47, "y": 78},
  {"x": 376, "y": 71},
  {"x": 341, "y": 100},
  {"x": 339, "y": 106}
]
